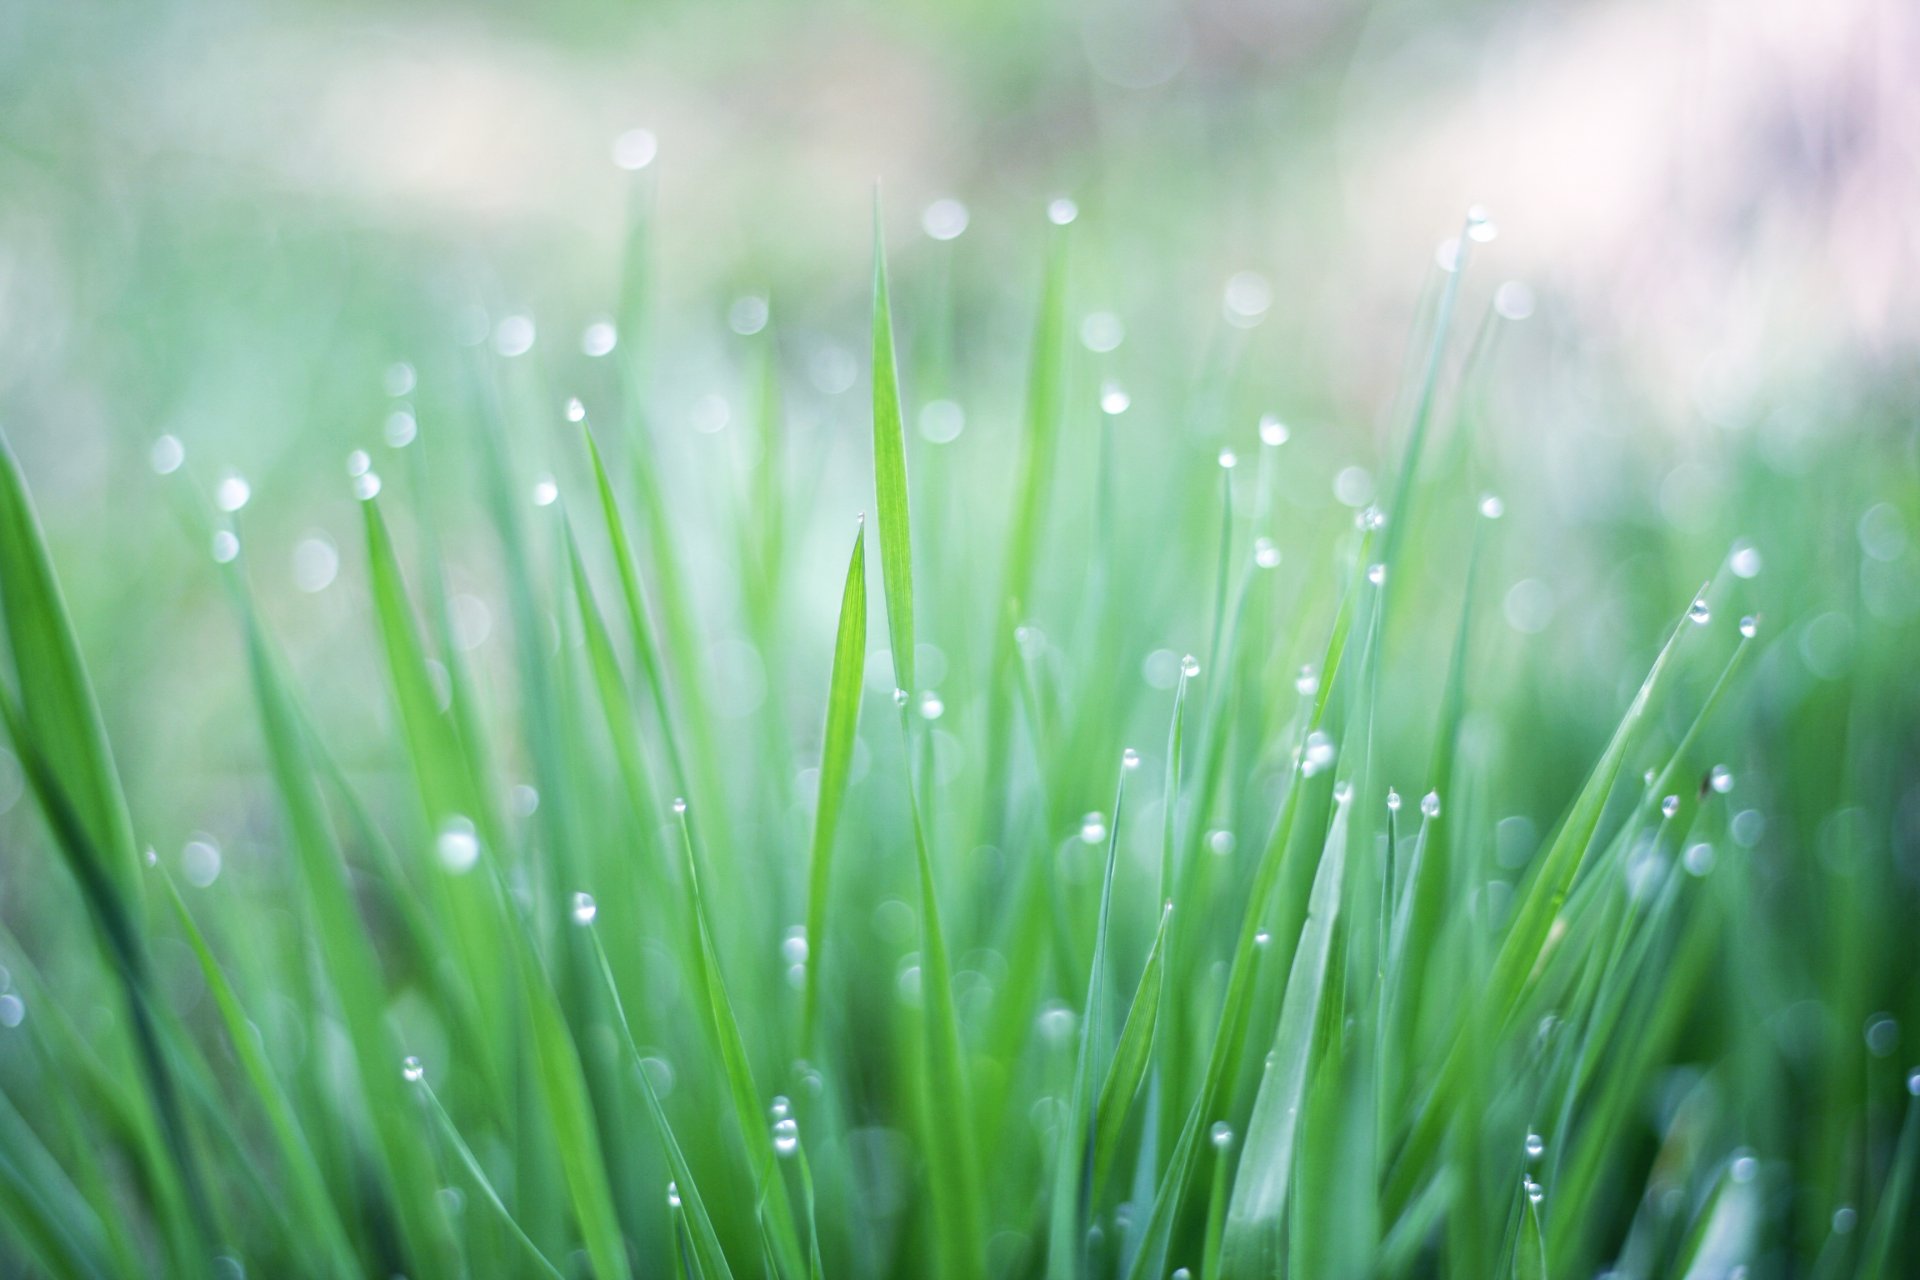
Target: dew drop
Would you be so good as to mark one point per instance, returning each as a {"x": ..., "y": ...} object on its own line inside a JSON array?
[
  {"x": 226, "y": 546},
  {"x": 748, "y": 315},
  {"x": 1319, "y": 753},
  {"x": 1189, "y": 666},
  {"x": 367, "y": 487},
  {"x": 1228, "y": 461},
  {"x": 942, "y": 421},
  {"x": 1750, "y": 626},
  {"x": 1744, "y": 559},
  {"x": 1061, "y": 211},
  {"x": 545, "y": 492},
  {"x": 1129, "y": 759},
  {"x": 1265, "y": 553},
  {"x": 1430, "y": 804},
  {"x": 576, "y": 411},
  {"x": 1307, "y": 683},
  {"x": 1481, "y": 229},
  {"x": 1698, "y": 859},
  {"x": 359, "y": 463},
  {"x": 13, "y": 1010},
  {"x": 1101, "y": 332},
  {"x": 780, "y": 1108},
  {"x": 1342, "y": 792},
  {"x": 1376, "y": 574},
  {"x": 513, "y": 336},
  {"x": 673, "y": 1194},
  {"x": 1220, "y": 841},
  {"x": 793, "y": 947},
  {"x": 411, "y": 1070},
  {"x": 635, "y": 149},
  {"x": 200, "y": 862},
  {"x": 931, "y": 707},
  {"x": 232, "y": 492},
  {"x": 400, "y": 429},
  {"x": 1744, "y": 1166},
  {"x": 1669, "y": 806},
  {"x": 1221, "y": 1134},
  {"x": 1114, "y": 399},
  {"x": 786, "y": 1136},
  {"x": 900, "y": 697},
  {"x": 166, "y": 455},
  {"x": 1272, "y": 430},
  {"x": 1883, "y": 1035},
  {"x": 599, "y": 339},
  {"x": 1393, "y": 800},
  {"x": 1913, "y": 1082},
  {"x": 1720, "y": 778},
  {"x": 1535, "y": 1192},
  {"x": 457, "y": 847},
  {"x": 1536, "y": 1146},
  {"x": 584, "y": 908},
  {"x": 679, "y": 805},
  {"x": 1698, "y": 613},
  {"x": 316, "y": 562},
  {"x": 1491, "y": 506},
  {"x": 1261, "y": 938},
  {"x": 1093, "y": 827},
  {"x": 944, "y": 219}
]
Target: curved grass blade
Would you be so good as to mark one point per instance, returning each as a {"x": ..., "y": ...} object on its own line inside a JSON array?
[
  {"x": 1130, "y": 1058},
  {"x": 451, "y": 1133},
  {"x": 836, "y": 757},
  {"x": 890, "y": 472}
]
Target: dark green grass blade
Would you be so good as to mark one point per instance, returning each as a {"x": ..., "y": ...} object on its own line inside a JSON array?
[
  {"x": 451, "y": 1134},
  {"x": 836, "y": 757}
]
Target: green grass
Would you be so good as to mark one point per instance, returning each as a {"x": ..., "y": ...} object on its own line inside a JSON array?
[{"x": 1387, "y": 941}]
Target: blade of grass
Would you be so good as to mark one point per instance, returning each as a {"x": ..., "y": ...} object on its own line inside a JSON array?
[{"x": 890, "y": 472}]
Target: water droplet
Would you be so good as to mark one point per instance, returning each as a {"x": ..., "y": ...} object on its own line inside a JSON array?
[
  {"x": 1913, "y": 1082},
  {"x": 1129, "y": 759},
  {"x": 944, "y": 219},
  {"x": 545, "y": 492},
  {"x": 786, "y": 1136},
  {"x": 931, "y": 707},
  {"x": 1376, "y": 574},
  {"x": 1342, "y": 792},
  {"x": 1265, "y": 554},
  {"x": 226, "y": 546},
  {"x": 1272, "y": 430},
  {"x": 1101, "y": 332},
  {"x": 400, "y": 428},
  {"x": 513, "y": 336},
  {"x": 1669, "y": 806},
  {"x": 1536, "y": 1145},
  {"x": 576, "y": 411},
  {"x": 1318, "y": 755},
  {"x": 1744, "y": 1166},
  {"x": 1430, "y": 804},
  {"x": 1093, "y": 827},
  {"x": 1056, "y": 1021},
  {"x": 1182, "y": 1273},
  {"x": 1307, "y": 683},
  {"x": 232, "y": 492},
  {"x": 367, "y": 487},
  {"x": 900, "y": 697},
  {"x": 673, "y": 1194},
  {"x": 1698, "y": 613},
  {"x": 1114, "y": 399},
  {"x": 1698, "y": 859},
  {"x": 1744, "y": 559},
  {"x": 1481, "y": 229},
  {"x": 399, "y": 378},
  {"x": 1227, "y": 459},
  {"x": 1446, "y": 254},
  {"x": 679, "y": 804},
  {"x": 599, "y": 338},
  {"x": 1513, "y": 300},
  {"x": 1491, "y": 506},
  {"x": 200, "y": 862},
  {"x": 1261, "y": 938},
  {"x": 1061, "y": 211},
  {"x": 1750, "y": 626},
  {"x": 153, "y": 858},
  {"x": 793, "y": 947},
  {"x": 1720, "y": 778},
  {"x": 584, "y": 908},
  {"x": 166, "y": 455},
  {"x": 411, "y": 1070},
  {"x": 1220, "y": 841},
  {"x": 1221, "y": 1134},
  {"x": 1393, "y": 800},
  {"x": 780, "y": 1108},
  {"x": 941, "y": 421},
  {"x": 1535, "y": 1192},
  {"x": 457, "y": 847},
  {"x": 524, "y": 799},
  {"x": 13, "y": 1010},
  {"x": 316, "y": 563},
  {"x": 359, "y": 463},
  {"x": 1189, "y": 666},
  {"x": 1844, "y": 1219},
  {"x": 1883, "y": 1035},
  {"x": 1247, "y": 299},
  {"x": 635, "y": 149},
  {"x": 748, "y": 315}
]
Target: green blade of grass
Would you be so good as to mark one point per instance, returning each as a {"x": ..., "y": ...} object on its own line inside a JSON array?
[
  {"x": 1530, "y": 1251},
  {"x": 1130, "y": 1057},
  {"x": 890, "y": 472},
  {"x": 451, "y": 1133},
  {"x": 836, "y": 758}
]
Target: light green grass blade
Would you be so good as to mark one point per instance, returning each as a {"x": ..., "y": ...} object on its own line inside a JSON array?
[
  {"x": 614, "y": 700},
  {"x": 836, "y": 758},
  {"x": 1251, "y": 1245},
  {"x": 451, "y": 1133},
  {"x": 1131, "y": 1057},
  {"x": 1530, "y": 1251},
  {"x": 890, "y": 473}
]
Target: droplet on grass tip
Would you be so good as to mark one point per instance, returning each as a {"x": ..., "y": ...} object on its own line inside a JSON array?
[
  {"x": 1393, "y": 800},
  {"x": 1481, "y": 229},
  {"x": 1750, "y": 626},
  {"x": 1744, "y": 559},
  {"x": 944, "y": 219},
  {"x": 400, "y": 428},
  {"x": 900, "y": 697},
  {"x": 931, "y": 707},
  {"x": 1744, "y": 1166},
  {"x": 1536, "y": 1145},
  {"x": 1430, "y": 804},
  {"x": 1535, "y": 1192},
  {"x": 399, "y": 379},
  {"x": 679, "y": 804},
  {"x": 1265, "y": 554},
  {"x": 1698, "y": 859},
  {"x": 411, "y": 1069},
  {"x": 226, "y": 546},
  {"x": 1262, "y": 937},
  {"x": 786, "y": 1136},
  {"x": 1491, "y": 506},
  {"x": 1376, "y": 574},
  {"x": 545, "y": 492},
  {"x": 1061, "y": 211},
  {"x": 1129, "y": 759},
  {"x": 1720, "y": 778},
  {"x": 1307, "y": 683},
  {"x": 780, "y": 1108},
  {"x": 1114, "y": 399},
  {"x": 1698, "y": 613},
  {"x": 232, "y": 492},
  {"x": 1093, "y": 827},
  {"x": 576, "y": 411},
  {"x": 1318, "y": 753},
  {"x": 1669, "y": 806},
  {"x": 1272, "y": 431},
  {"x": 514, "y": 336},
  {"x": 1342, "y": 792},
  {"x": 1189, "y": 666},
  {"x": 1228, "y": 459},
  {"x": 793, "y": 947},
  {"x": 1220, "y": 841},
  {"x": 359, "y": 462},
  {"x": 13, "y": 1010},
  {"x": 457, "y": 847},
  {"x": 1221, "y": 1134},
  {"x": 635, "y": 149},
  {"x": 166, "y": 455},
  {"x": 367, "y": 487},
  {"x": 1845, "y": 1218},
  {"x": 673, "y": 1194},
  {"x": 1913, "y": 1082},
  {"x": 584, "y": 908},
  {"x": 1101, "y": 332}
]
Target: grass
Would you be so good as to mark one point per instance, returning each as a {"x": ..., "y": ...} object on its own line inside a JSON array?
[{"x": 1416, "y": 950}]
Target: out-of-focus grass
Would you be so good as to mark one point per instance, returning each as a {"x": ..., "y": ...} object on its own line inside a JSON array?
[{"x": 552, "y": 870}]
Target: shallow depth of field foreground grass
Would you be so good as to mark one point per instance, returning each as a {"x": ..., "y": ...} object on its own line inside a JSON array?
[{"x": 1148, "y": 835}]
